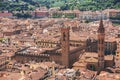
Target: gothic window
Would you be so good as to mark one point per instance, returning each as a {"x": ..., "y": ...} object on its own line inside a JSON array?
[
  {"x": 99, "y": 41},
  {"x": 102, "y": 41},
  {"x": 99, "y": 48},
  {"x": 64, "y": 36}
]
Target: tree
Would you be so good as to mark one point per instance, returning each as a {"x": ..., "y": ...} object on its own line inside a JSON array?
[{"x": 23, "y": 15}]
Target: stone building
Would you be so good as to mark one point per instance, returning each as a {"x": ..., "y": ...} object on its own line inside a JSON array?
[
  {"x": 110, "y": 46},
  {"x": 63, "y": 51},
  {"x": 3, "y": 62}
]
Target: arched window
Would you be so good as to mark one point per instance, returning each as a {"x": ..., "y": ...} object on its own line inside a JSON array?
[{"x": 64, "y": 36}]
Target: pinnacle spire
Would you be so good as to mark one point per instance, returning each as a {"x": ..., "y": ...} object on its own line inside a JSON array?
[
  {"x": 101, "y": 27},
  {"x": 101, "y": 23}
]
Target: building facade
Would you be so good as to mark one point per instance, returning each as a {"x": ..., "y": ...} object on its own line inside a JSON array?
[{"x": 64, "y": 52}]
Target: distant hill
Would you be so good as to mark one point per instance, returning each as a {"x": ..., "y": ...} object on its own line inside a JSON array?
[
  {"x": 81, "y": 4},
  {"x": 63, "y": 4}
]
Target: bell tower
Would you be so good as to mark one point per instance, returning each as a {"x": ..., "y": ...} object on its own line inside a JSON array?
[
  {"x": 65, "y": 45},
  {"x": 101, "y": 38}
]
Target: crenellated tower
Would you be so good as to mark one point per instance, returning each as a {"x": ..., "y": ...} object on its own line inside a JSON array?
[
  {"x": 101, "y": 47},
  {"x": 65, "y": 45}
]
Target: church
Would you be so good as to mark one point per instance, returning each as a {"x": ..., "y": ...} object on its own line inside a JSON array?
[{"x": 96, "y": 61}]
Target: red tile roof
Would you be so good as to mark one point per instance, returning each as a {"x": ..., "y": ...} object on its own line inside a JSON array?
[
  {"x": 5, "y": 14},
  {"x": 40, "y": 14}
]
